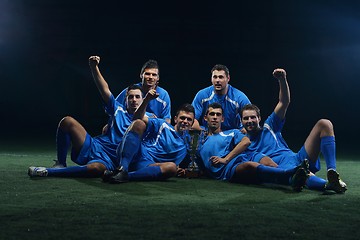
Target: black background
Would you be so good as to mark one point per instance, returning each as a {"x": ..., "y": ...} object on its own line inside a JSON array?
[{"x": 45, "y": 45}]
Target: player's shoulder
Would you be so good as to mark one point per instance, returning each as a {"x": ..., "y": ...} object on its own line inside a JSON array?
[
  {"x": 235, "y": 91},
  {"x": 161, "y": 91},
  {"x": 206, "y": 91},
  {"x": 232, "y": 131}
]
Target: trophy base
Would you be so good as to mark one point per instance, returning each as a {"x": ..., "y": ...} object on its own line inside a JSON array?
[{"x": 192, "y": 174}]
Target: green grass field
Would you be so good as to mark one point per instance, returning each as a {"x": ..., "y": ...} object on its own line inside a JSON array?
[{"x": 54, "y": 208}]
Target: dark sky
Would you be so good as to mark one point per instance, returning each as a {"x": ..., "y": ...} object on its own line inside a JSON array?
[{"x": 45, "y": 44}]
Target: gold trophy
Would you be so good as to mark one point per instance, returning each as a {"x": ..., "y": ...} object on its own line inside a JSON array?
[{"x": 194, "y": 139}]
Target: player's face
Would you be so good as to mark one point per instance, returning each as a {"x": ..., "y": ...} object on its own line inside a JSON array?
[
  {"x": 184, "y": 121},
  {"x": 150, "y": 77},
  {"x": 133, "y": 99},
  {"x": 250, "y": 121},
  {"x": 219, "y": 80},
  {"x": 214, "y": 118}
]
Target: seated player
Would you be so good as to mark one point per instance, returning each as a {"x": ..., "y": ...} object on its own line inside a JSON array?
[
  {"x": 225, "y": 157},
  {"x": 268, "y": 140},
  {"x": 94, "y": 155},
  {"x": 151, "y": 148}
]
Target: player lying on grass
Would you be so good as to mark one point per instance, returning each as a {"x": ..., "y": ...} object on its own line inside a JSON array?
[
  {"x": 94, "y": 155},
  {"x": 152, "y": 148},
  {"x": 225, "y": 156},
  {"x": 268, "y": 140}
]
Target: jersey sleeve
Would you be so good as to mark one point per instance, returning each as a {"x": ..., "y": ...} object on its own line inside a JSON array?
[
  {"x": 166, "y": 112},
  {"x": 196, "y": 103},
  {"x": 121, "y": 97},
  {"x": 242, "y": 101},
  {"x": 110, "y": 108},
  {"x": 238, "y": 136},
  {"x": 275, "y": 122}
]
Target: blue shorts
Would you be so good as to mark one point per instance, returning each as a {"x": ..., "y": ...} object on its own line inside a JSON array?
[
  {"x": 289, "y": 161},
  {"x": 245, "y": 157},
  {"x": 90, "y": 153},
  {"x": 313, "y": 166}
]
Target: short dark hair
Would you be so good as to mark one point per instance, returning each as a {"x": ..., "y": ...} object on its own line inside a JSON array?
[
  {"x": 186, "y": 108},
  {"x": 133, "y": 87},
  {"x": 214, "y": 105},
  {"x": 251, "y": 107},
  {"x": 150, "y": 64},
  {"x": 220, "y": 67}
]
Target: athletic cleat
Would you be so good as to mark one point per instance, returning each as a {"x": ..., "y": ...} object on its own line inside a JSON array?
[
  {"x": 119, "y": 176},
  {"x": 57, "y": 164},
  {"x": 298, "y": 180},
  {"x": 305, "y": 165},
  {"x": 334, "y": 182},
  {"x": 37, "y": 172},
  {"x": 107, "y": 175}
]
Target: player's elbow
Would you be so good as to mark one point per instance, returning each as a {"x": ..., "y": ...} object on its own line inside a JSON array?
[{"x": 246, "y": 141}]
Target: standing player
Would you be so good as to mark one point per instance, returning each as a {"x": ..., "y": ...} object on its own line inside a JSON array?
[
  {"x": 152, "y": 148},
  {"x": 269, "y": 141},
  {"x": 225, "y": 157},
  {"x": 230, "y": 98},
  {"x": 93, "y": 154}
]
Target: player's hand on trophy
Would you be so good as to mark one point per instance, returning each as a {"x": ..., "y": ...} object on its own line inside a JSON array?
[{"x": 180, "y": 172}]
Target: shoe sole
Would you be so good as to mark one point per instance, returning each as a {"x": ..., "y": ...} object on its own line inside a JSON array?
[
  {"x": 299, "y": 180},
  {"x": 334, "y": 182}
]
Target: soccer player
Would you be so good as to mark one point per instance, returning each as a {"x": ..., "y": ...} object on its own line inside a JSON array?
[
  {"x": 230, "y": 98},
  {"x": 150, "y": 76},
  {"x": 151, "y": 148},
  {"x": 269, "y": 141},
  {"x": 225, "y": 157},
  {"x": 93, "y": 154}
]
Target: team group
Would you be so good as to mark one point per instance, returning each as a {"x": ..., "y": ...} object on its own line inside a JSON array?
[{"x": 139, "y": 143}]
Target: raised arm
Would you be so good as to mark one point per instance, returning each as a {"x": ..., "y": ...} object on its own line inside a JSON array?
[
  {"x": 99, "y": 80},
  {"x": 140, "y": 111},
  {"x": 284, "y": 93}
]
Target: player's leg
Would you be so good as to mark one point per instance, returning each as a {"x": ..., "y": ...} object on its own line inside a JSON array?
[
  {"x": 93, "y": 168},
  {"x": 296, "y": 177},
  {"x": 152, "y": 172},
  {"x": 322, "y": 139},
  {"x": 130, "y": 143},
  {"x": 266, "y": 161},
  {"x": 155, "y": 171},
  {"x": 90, "y": 170},
  {"x": 69, "y": 132},
  {"x": 129, "y": 147}
]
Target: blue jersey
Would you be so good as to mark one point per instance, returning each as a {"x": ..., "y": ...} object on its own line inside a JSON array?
[
  {"x": 162, "y": 143},
  {"x": 103, "y": 147},
  {"x": 221, "y": 144},
  {"x": 270, "y": 142},
  {"x": 161, "y": 106},
  {"x": 232, "y": 103}
]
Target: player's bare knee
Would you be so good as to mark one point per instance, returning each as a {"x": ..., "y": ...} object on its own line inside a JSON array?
[
  {"x": 168, "y": 169},
  {"x": 96, "y": 169},
  {"x": 268, "y": 162},
  {"x": 325, "y": 124},
  {"x": 66, "y": 123},
  {"x": 138, "y": 126}
]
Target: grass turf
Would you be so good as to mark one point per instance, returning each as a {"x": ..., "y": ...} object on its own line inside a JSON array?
[{"x": 53, "y": 208}]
